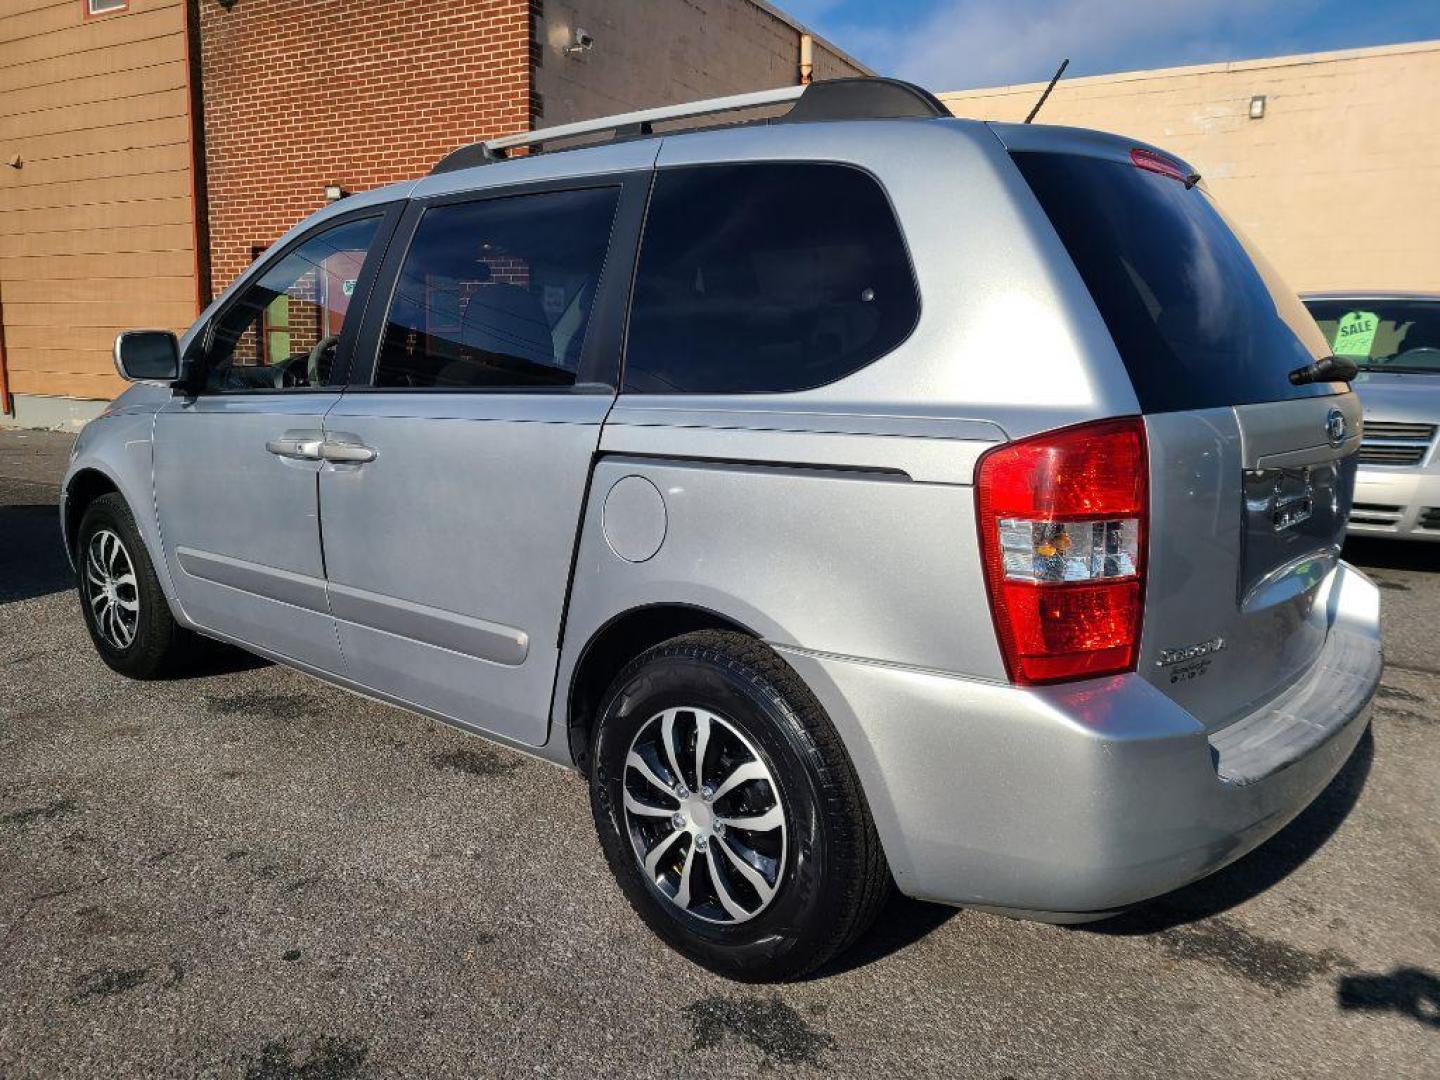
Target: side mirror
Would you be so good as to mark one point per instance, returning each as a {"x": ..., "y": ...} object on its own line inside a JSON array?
[{"x": 148, "y": 356}]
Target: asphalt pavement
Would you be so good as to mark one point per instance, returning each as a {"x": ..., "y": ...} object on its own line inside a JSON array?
[{"x": 247, "y": 873}]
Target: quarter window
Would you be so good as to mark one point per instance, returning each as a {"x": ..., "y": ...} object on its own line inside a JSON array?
[
  {"x": 283, "y": 329},
  {"x": 498, "y": 293},
  {"x": 766, "y": 278}
]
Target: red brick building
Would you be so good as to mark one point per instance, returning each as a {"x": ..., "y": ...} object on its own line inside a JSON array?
[{"x": 203, "y": 129}]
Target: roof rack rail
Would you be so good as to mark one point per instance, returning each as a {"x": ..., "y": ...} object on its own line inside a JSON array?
[{"x": 867, "y": 98}]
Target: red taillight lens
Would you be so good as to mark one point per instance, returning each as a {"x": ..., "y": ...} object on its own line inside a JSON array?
[{"x": 1063, "y": 522}]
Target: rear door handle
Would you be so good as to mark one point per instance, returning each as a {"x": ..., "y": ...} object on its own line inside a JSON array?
[
  {"x": 297, "y": 445},
  {"x": 347, "y": 450}
]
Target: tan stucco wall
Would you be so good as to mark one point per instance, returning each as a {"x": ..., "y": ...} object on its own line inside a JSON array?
[
  {"x": 660, "y": 52},
  {"x": 97, "y": 229},
  {"x": 1337, "y": 183}
]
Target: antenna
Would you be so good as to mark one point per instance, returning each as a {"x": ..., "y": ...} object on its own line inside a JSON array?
[{"x": 1050, "y": 86}]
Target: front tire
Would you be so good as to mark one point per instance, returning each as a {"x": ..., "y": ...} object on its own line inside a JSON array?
[
  {"x": 124, "y": 607},
  {"x": 729, "y": 810}
]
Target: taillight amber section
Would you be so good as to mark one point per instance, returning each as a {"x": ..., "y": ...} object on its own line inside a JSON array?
[{"x": 1063, "y": 528}]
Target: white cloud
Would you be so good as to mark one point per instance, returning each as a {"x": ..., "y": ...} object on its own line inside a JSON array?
[{"x": 972, "y": 43}]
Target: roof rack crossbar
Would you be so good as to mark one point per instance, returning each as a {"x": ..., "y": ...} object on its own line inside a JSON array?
[{"x": 834, "y": 99}]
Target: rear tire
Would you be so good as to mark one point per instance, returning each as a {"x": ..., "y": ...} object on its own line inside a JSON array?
[
  {"x": 124, "y": 607},
  {"x": 764, "y": 878}
]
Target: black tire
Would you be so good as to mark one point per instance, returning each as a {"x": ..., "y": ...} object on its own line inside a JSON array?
[
  {"x": 834, "y": 878},
  {"x": 157, "y": 644}
]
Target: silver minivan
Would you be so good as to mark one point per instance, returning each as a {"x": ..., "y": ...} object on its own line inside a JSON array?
[{"x": 854, "y": 495}]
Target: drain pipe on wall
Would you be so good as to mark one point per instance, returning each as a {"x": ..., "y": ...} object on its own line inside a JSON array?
[
  {"x": 807, "y": 59},
  {"x": 7, "y": 407}
]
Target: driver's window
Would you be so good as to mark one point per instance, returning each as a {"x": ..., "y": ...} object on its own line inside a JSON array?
[{"x": 282, "y": 330}]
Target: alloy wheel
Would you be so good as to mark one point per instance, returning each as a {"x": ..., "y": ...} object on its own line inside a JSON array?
[
  {"x": 705, "y": 815},
  {"x": 111, "y": 589}
]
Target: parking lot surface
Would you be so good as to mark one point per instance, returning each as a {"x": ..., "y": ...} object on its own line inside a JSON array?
[{"x": 248, "y": 873}]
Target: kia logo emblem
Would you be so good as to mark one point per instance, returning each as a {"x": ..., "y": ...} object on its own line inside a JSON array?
[{"x": 1335, "y": 427}]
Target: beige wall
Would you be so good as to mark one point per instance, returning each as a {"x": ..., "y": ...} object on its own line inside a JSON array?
[
  {"x": 1337, "y": 183},
  {"x": 96, "y": 227},
  {"x": 661, "y": 52}
]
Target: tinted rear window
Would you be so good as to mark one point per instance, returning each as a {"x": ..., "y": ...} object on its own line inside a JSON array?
[
  {"x": 765, "y": 277},
  {"x": 1199, "y": 318}
]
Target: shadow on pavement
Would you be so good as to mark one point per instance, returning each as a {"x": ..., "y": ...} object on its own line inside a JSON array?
[
  {"x": 1263, "y": 868},
  {"x": 902, "y": 922},
  {"x": 1368, "y": 553},
  {"x": 32, "y": 555},
  {"x": 1412, "y": 992}
]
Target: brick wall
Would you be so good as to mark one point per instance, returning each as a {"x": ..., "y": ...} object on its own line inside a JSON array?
[
  {"x": 304, "y": 93},
  {"x": 662, "y": 52}
]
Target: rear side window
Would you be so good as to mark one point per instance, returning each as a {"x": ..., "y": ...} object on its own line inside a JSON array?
[
  {"x": 496, "y": 294},
  {"x": 765, "y": 277},
  {"x": 1199, "y": 318}
]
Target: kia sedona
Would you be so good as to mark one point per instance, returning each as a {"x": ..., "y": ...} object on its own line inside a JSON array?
[{"x": 857, "y": 497}]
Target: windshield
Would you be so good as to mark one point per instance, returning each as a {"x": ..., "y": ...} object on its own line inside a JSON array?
[{"x": 1382, "y": 335}]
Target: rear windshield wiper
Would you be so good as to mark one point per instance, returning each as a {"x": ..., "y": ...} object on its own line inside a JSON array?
[{"x": 1326, "y": 369}]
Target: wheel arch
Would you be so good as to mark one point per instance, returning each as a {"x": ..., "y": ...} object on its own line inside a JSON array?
[
  {"x": 618, "y": 641},
  {"x": 82, "y": 489}
]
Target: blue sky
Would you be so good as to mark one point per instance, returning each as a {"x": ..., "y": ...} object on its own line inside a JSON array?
[{"x": 959, "y": 44}]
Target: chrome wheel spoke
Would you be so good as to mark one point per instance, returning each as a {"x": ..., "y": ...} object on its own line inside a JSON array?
[
  {"x": 702, "y": 741},
  {"x": 635, "y": 806},
  {"x": 722, "y": 890},
  {"x": 641, "y": 766},
  {"x": 770, "y": 819},
  {"x": 757, "y": 880},
  {"x": 682, "y": 894},
  {"x": 652, "y": 860},
  {"x": 750, "y": 770},
  {"x": 667, "y": 739}
]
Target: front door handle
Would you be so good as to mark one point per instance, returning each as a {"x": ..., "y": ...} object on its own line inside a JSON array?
[
  {"x": 297, "y": 445},
  {"x": 343, "y": 449}
]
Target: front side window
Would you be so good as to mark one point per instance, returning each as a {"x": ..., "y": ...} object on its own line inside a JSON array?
[
  {"x": 766, "y": 277},
  {"x": 497, "y": 294},
  {"x": 1382, "y": 335},
  {"x": 282, "y": 330}
]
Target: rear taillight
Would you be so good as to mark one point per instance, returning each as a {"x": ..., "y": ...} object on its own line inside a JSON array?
[{"x": 1063, "y": 521}]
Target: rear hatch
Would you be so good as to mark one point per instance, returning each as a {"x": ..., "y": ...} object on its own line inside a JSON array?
[{"x": 1251, "y": 477}]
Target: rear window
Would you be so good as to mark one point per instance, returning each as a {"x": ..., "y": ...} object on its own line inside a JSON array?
[
  {"x": 1382, "y": 335},
  {"x": 765, "y": 277},
  {"x": 1199, "y": 317}
]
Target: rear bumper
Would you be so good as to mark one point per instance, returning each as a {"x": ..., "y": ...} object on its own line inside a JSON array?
[
  {"x": 1063, "y": 802},
  {"x": 1392, "y": 502}
]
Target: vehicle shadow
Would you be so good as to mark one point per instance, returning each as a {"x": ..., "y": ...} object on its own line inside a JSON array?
[
  {"x": 1412, "y": 992},
  {"x": 32, "y": 555},
  {"x": 217, "y": 658},
  {"x": 1260, "y": 870},
  {"x": 902, "y": 922},
  {"x": 1375, "y": 553}
]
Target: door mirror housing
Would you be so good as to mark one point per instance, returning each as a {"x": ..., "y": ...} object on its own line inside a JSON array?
[{"x": 148, "y": 356}]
